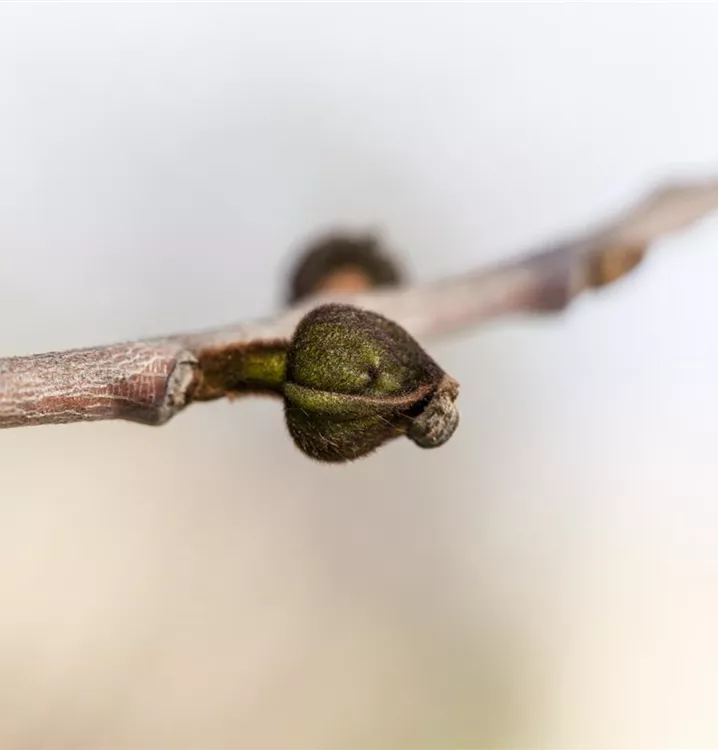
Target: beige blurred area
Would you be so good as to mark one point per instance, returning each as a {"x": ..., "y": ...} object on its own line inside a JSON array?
[{"x": 549, "y": 578}]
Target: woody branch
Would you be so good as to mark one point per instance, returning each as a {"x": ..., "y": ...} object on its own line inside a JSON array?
[{"x": 149, "y": 381}]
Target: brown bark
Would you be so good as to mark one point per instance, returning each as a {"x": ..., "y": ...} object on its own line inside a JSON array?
[{"x": 150, "y": 381}]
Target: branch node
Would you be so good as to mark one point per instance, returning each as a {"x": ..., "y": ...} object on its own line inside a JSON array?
[
  {"x": 181, "y": 384},
  {"x": 613, "y": 263}
]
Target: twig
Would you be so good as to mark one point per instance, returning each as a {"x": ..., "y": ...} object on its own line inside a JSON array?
[
  {"x": 546, "y": 280},
  {"x": 151, "y": 381}
]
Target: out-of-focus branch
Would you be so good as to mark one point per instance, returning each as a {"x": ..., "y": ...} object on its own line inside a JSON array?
[
  {"x": 150, "y": 381},
  {"x": 547, "y": 279}
]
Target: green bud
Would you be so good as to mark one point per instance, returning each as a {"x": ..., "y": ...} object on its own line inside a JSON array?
[{"x": 355, "y": 380}]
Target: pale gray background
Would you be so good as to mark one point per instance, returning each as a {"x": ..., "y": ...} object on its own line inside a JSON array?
[{"x": 550, "y": 577}]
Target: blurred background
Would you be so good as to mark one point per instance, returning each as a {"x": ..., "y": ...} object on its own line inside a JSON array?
[{"x": 549, "y": 577}]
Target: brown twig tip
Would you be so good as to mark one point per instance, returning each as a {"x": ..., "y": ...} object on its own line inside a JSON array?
[{"x": 345, "y": 263}]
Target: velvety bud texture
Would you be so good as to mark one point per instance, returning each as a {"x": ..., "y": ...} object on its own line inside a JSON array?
[{"x": 355, "y": 380}]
